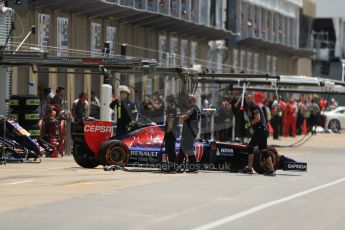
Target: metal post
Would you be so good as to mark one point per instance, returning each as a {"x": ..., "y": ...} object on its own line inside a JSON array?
[
  {"x": 124, "y": 77},
  {"x": 343, "y": 71},
  {"x": 212, "y": 126},
  {"x": 233, "y": 127},
  {"x": 68, "y": 145},
  {"x": 3, "y": 157},
  {"x": 32, "y": 31}
]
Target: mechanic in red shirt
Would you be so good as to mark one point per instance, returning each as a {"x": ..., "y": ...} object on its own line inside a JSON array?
[
  {"x": 291, "y": 112},
  {"x": 258, "y": 122},
  {"x": 323, "y": 103}
]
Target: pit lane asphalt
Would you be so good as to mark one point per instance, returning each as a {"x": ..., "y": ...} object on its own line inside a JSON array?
[{"x": 57, "y": 194}]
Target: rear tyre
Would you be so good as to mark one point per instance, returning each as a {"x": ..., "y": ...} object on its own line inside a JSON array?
[
  {"x": 113, "y": 152},
  {"x": 261, "y": 166},
  {"x": 85, "y": 162},
  {"x": 334, "y": 125}
]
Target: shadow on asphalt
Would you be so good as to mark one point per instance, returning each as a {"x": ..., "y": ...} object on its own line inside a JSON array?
[
  {"x": 157, "y": 171},
  {"x": 287, "y": 174}
]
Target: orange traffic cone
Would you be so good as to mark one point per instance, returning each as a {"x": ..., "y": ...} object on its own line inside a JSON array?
[{"x": 304, "y": 127}]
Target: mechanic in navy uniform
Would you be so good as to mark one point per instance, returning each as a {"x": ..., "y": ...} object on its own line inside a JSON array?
[
  {"x": 125, "y": 110},
  {"x": 190, "y": 131},
  {"x": 258, "y": 122},
  {"x": 171, "y": 130}
]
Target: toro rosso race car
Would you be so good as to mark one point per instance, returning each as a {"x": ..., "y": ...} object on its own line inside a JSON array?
[{"x": 144, "y": 147}]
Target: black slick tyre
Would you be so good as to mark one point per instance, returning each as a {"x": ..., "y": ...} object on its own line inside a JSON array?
[
  {"x": 113, "y": 152},
  {"x": 85, "y": 162},
  {"x": 260, "y": 166}
]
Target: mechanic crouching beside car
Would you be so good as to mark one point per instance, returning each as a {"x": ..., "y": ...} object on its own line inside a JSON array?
[
  {"x": 125, "y": 110},
  {"x": 258, "y": 122},
  {"x": 190, "y": 131}
]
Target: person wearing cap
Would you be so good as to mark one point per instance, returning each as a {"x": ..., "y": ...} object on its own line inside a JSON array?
[
  {"x": 258, "y": 122},
  {"x": 190, "y": 130},
  {"x": 125, "y": 110}
]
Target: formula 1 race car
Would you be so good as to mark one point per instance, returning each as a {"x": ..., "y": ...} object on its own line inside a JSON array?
[
  {"x": 17, "y": 145},
  {"x": 94, "y": 145}
]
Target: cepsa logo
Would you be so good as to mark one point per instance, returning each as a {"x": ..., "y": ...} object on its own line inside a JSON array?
[{"x": 97, "y": 129}]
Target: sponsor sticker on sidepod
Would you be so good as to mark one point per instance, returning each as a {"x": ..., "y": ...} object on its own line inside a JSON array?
[{"x": 295, "y": 166}]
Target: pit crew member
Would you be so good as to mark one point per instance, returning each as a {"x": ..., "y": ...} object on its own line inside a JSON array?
[
  {"x": 260, "y": 135},
  {"x": 125, "y": 110},
  {"x": 190, "y": 131},
  {"x": 171, "y": 130}
]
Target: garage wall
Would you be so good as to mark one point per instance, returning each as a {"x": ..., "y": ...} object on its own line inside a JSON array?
[{"x": 79, "y": 38}]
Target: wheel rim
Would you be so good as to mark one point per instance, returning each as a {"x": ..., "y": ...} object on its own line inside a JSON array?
[
  {"x": 116, "y": 154},
  {"x": 334, "y": 125}
]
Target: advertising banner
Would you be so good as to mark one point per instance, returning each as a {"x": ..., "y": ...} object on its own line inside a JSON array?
[
  {"x": 62, "y": 36},
  {"x": 96, "y": 38},
  {"x": 111, "y": 37},
  {"x": 43, "y": 30}
]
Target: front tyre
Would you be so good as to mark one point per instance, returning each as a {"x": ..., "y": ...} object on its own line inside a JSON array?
[{"x": 261, "y": 166}]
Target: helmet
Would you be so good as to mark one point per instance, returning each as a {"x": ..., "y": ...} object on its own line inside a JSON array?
[{"x": 124, "y": 88}]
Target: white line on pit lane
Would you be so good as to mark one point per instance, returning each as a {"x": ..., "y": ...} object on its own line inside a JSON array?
[
  {"x": 258, "y": 208},
  {"x": 19, "y": 182}
]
